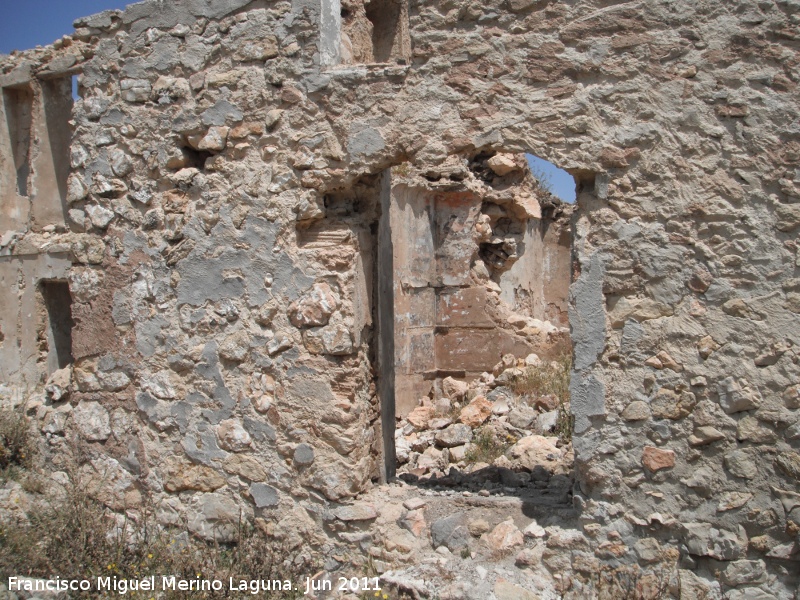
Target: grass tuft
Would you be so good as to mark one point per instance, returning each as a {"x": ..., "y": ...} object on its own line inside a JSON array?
[
  {"x": 76, "y": 537},
  {"x": 17, "y": 442},
  {"x": 547, "y": 379},
  {"x": 550, "y": 378},
  {"x": 487, "y": 446}
]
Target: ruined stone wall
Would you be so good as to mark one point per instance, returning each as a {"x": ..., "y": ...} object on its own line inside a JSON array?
[{"x": 224, "y": 363}]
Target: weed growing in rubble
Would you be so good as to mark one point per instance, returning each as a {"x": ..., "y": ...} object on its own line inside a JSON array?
[
  {"x": 487, "y": 446},
  {"x": 565, "y": 423},
  {"x": 17, "y": 444},
  {"x": 548, "y": 379}
]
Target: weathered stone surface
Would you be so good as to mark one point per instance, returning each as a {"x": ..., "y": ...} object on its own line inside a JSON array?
[
  {"x": 235, "y": 347},
  {"x": 733, "y": 500},
  {"x": 161, "y": 385},
  {"x": 232, "y": 436},
  {"x": 421, "y": 416},
  {"x": 92, "y": 420},
  {"x": 669, "y": 404},
  {"x": 506, "y": 590},
  {"x": 656, "y": 459},
  {"x": 503, "y": 164},
  {"x": 700, "y": 280},
  {"x": 693, "y": 587},
  {"x": 741, "y": 464},
  {"x": 702, "y": 481},
  {"x": 263, "y": 495},
  {"x": 110, "y": 483},
  {"x": 535, "y": 450},
  {"x": 791, "y": 396},
  {"x": 702, "y": 539},
  {"x": 788, "y": 463},
  {"x": 451, "y": 532},
  {"x": 735, "y": 397},
  {"x": 476, "y": 412},
  {"x": 357, "y": 512},
  {"x": 337, "y": 340},
  {"x": 706, "y": 346},
  {"x": 304, "y": 455},
  {"x": 114, "y": 381},
  {"x": 228, "y": 161},
  {"x": 636, "y": 411},
  {"x": 648, "y": 550},
  {"x": 522, "y": 416},
  {"x": 315, "y": 307},
  {"x": 453, "y": 388},
  {"x": 457, "y": 434},
  {"x": 215, "y": 518},
  {"x": 180, "y": 476},
  {"x": 705, "y": 435},
  {"x": 414, "y": 521},
  {"x": 742, "y": 572},
  {"x": 100, "y": 217},
  {"x": 504, "y": 537},
  {"x": 245, "y": 466}
]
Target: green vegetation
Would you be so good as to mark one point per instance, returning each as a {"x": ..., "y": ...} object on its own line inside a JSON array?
[
  {"x": 17, "y": 442},
  {"x": 74, "y": 536},
  {"x": 550, "y": 378},
  {"x": 543, "y": 179},
  {"x": 487, "y": 446}
]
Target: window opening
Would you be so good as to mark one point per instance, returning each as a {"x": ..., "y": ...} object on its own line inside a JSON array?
[
  {"x": 375, "y": 31},
  {"x": 18, "y": 104},
  {"x": 552, "y": 179},
  {"x": 389, "y": 20},
  {"x": 58, "y": 323}
]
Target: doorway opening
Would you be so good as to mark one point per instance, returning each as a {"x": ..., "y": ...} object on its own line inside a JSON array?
[{"x": 481, "y": 268}]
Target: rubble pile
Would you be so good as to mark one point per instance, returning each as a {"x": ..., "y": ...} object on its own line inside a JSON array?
[{"x": 490, "y": 428}]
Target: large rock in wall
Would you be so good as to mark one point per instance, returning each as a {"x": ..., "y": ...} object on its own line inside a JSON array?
[{"x": 208, "y": 140}]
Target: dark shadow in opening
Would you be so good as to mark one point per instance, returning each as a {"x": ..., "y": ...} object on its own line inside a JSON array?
[
  {"x": 196, "y": 158},
  {"x": 58, "y": 304}
]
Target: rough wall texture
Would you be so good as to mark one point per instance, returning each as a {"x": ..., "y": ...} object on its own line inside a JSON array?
[{"x": 224, "y": 355}]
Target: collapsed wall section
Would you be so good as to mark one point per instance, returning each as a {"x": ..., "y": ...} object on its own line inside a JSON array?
[{"x": 474, "y": 264}]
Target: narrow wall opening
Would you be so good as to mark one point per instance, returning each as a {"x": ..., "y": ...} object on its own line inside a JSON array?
[
  {"x": 77, "y": 89},
  {"x": 390, "y": 39},
  {"x": 481, "y": 273},
  {"x": 18, "y": 105},
  {"x": 375, "y": 31},
  {"x": 51, "y": 164},
  {"x": 55, "y": 334}
]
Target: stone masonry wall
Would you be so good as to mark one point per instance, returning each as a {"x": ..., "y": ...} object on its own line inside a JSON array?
[{"x": 224, "y": 353}]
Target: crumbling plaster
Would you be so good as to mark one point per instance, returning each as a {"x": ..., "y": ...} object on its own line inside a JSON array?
[{"x": 208, "y": 130}]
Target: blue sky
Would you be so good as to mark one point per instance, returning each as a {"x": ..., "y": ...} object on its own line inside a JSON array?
[
  {"x": 562, "y": 184},
  {"x": 25, "y": 24}
]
